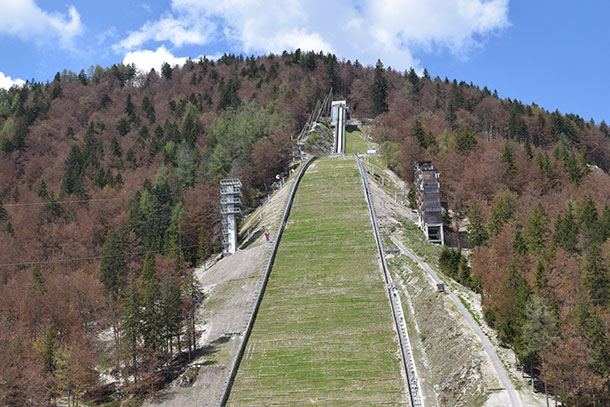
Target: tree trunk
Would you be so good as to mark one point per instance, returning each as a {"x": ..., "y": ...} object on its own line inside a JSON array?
[
  {"x": 456, "y": 224},
  {"x": 117, "y": 343},
  {"x": 135, "y": 368},
  {"x": 546, "y": 393}
]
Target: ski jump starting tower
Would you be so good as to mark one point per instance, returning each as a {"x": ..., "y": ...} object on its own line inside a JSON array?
[
  {"x": 230, "y": 209},
  {"x": 339, "y": 115}
]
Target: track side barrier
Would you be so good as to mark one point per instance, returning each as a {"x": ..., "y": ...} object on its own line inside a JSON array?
[
  {"x": 248, "y": 330},
  {"x": 403, "y": 338}
]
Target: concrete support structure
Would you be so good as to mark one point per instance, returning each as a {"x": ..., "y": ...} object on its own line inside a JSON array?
[
  {"x": 230, "y": 209},
  {"x": 339, "y": 140},
  {"x": 430, "y": 219},
  {"x": 334, "y": 111}
]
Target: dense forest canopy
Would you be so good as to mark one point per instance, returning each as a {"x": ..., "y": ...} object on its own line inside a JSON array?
[{"x": 109, "y": 193}]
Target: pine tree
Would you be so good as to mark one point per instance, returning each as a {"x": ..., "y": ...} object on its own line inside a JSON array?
[
  {"x": 503, "y": 209},
  {"x": 9, "y": 229},
  {"x": 597, "y": 277},
  {"x": 413, "y": 81},
  {"x": 122, "y": 126},
  {"x": 50, "y": 348},
  {"x": 132, "y": 326},
  {"x": 113, "y": 268},
  {"x": 202, "y": 247},
  {"x": 173, "y": 235},
  {"x": 566, "y": 232},
  {"x": 115, "y": 148},
  {"x": 190, "y": 125},
  {"x": 379, "y": 90},
  {"x": 477, "y": 231},
  {"x": 73, "y": 181},
  {"x": 570, "y": 230},
  {"x": 536, "y": 228},
  {"x": 541, "y": 280},
  {"x": 466, "y": 140},
  {"x": 604, "y": 221},
  {"x": 419, "y": 133},
  {"x": 519, "y": 243},
  {"x": 508, "y": 159},
  {"x": 192, "y": 294},
  {"x": 42, "y": 189},
  {"x": 512, "y": 317},
  {"x": 449, "y": 262},
  {"x": 37, "y": 282},
  {"x": 573, "y": 168},
  {"x": 412, "y": 197},
  {"x": 148, "y": 268},
  {"x": 604, "y": 128},
  {"x": 100, "y": 178},
  {"x": 588, "y": 219},
  {"x": 219, "y": 163},
  {"x": 143, "y": 135},
  {"x": 596, "y": 333},
  {"x": 151, "y": 305},
  {"x": 118, "y": 180},
  {"x": 166, "y": 70},
  {"x": 149, "y": 109},
  {"x": 465, "y": 273},
  {"x": 3, "y": 212},
  {"x": 171, "y": 311},
  {"x": 544, "y": 164},
  {"x": 528, "y": 149},
  {"x": 538, "y": 332},
  {"x": 130, "y": 109}
]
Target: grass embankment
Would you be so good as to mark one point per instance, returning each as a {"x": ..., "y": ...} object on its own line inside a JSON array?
[
  {"x": 324, "y": 330},
  {"x": 355, "y": 141}
]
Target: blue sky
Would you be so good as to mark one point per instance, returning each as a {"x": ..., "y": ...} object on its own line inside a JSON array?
[{"x": 554, "y": 53}]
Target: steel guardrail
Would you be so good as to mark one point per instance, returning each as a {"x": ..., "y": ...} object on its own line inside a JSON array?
[
  {"x": 405, "y": 345},
  {"x": 280, "y": 229}
]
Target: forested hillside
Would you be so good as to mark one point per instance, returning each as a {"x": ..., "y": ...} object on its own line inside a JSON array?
[
  {"x": 109, "y": 188},
  {"x": 532, "y": 189}
]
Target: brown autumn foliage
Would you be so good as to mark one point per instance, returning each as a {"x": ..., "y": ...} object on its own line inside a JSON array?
[{"x": 142, "y": 142}]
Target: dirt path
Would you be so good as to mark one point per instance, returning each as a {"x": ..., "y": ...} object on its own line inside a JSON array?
[{"x": 513, "y": 396}]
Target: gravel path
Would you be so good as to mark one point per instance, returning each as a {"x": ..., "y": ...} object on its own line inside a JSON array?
[{"x": 513, "y": 396}]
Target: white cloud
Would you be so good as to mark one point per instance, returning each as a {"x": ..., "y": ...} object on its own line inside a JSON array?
[
  {"x": 25, "y": 20},
  {"x": 6, "y": 82},
  {"x": 366, "y": 30},
  {"x": 178, "y": 30},
  {"x": 146, "y": 60}
]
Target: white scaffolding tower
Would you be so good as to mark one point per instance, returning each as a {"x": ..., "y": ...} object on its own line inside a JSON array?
[{"x": 230, "y": 209}]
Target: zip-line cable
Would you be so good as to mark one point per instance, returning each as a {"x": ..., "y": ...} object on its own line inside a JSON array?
[
  {"x": 95, "y": 257},
  {"x": 10, "y": 205}
]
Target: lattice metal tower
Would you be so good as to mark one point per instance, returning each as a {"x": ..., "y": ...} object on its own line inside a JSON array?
[{"x": 230, "y": 209}]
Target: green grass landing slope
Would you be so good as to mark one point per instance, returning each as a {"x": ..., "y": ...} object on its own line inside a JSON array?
[{"x": 324, "y": 332}]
